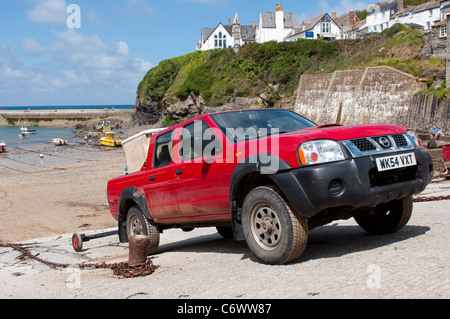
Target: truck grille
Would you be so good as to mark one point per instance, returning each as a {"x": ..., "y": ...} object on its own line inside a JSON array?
[
  {"x": 373, "y": 143},
  {"x": 364, "y": 145}
]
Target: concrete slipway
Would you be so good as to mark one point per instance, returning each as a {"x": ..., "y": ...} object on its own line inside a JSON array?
[{"x": 341, "y": 261}]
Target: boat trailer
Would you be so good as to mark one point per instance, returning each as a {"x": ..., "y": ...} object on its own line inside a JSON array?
[{"x": 79, "y": 239}]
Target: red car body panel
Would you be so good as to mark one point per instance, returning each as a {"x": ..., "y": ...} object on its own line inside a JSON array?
[{"x": 195, "y": 192}]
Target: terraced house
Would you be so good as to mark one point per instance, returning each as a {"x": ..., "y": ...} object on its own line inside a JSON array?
[{"x": 282, "y": 26}]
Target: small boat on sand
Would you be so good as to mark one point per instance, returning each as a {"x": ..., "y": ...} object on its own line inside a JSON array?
[
  {"x": 108, "y": 139},
  {"x": 59, "y": 141},
  {"x": 2, "y": 147},
  {"x": 23, "y": 135}
]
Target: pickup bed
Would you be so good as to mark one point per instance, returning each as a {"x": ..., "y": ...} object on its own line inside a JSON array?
[{"x": 268, "y": 177}]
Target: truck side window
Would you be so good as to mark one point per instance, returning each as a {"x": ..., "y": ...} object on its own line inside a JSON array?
[
  {"x": 163, "y": 150},
  {"x": 195, "y": 138}
]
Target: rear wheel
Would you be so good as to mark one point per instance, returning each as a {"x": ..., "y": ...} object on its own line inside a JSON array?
[
  {"x": 387, "y": 218},
  {"x": 138, "y": 224},
  {"x": 272, "y": 231}
]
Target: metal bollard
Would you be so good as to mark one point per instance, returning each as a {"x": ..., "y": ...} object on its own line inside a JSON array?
[{"x": 138, "y": 248}]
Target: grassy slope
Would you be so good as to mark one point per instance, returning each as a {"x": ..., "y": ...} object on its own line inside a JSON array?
[{"x": 274, "y": 69}]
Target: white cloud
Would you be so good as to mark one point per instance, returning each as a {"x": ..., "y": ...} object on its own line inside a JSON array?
[
  {"x": 31, "y": 46},
  {"x": 49, "y": 12},
  {"x": 122, "y": 48},
  {"x": 75, "y": 69}
]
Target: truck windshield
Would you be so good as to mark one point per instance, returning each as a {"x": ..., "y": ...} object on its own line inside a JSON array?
[{"x": 245, "y": 125}]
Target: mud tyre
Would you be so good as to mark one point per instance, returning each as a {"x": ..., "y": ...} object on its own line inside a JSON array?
[
  {"x": 138, "y": 224},
  {"x": 274, "y": 234},
  {"x": 387, "y": 218}
]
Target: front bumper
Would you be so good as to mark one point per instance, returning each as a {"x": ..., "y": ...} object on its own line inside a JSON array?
[{"x": 352, "y": 183}]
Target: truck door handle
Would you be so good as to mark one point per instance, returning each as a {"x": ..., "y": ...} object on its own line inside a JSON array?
[
  {"x": 179, "y": 172},
  {"x": 151, "y": 179}
]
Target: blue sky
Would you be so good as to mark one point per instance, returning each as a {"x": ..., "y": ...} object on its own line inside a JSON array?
[{"x": 44, "y": 60}]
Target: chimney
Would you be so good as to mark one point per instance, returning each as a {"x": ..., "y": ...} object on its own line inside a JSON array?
[
  {"x": 334, "y": 16},
  {"x": 253, "y": 24},
  {"x": 229, "y": 22},
  {"x": 351, "y": 18},
  {"x": 400, "y": 5},
  {"x": 279, "y": 7},
  {"x": 279, "y": 19}
]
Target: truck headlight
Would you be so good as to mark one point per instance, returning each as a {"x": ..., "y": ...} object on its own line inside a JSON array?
[
  {"x": 414, "y": 137},
  {"x": 320, "y": 151}
]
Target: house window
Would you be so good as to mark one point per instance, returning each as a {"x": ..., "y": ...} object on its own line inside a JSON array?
[
  {"x": 220, "y": 41},
  {"x": 326, "y": 27},
  {"x": 443, "y": 31}
]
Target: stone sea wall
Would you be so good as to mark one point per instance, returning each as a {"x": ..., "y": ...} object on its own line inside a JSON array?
[
  {"x": 374, "y": 95},
  {"x": 427, "y": 110}
]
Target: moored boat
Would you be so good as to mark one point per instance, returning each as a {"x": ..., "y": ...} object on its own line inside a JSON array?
[
  {"x": 25, "y": 128},
  {"x": 59, "y": 141},
  {"x": 23, "y": 135},
  {"x": 2, "y": 147},
  {"x": 109, "y": 139}
]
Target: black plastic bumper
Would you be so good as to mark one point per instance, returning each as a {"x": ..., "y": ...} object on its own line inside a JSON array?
[{"x": 352, "y": 183}]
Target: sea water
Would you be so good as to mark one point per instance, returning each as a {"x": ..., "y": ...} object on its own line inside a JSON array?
[
  {"x": 44, "y": 135},
  {"x": 10, "y": 134},
  {"x": 66, "y": 107}
]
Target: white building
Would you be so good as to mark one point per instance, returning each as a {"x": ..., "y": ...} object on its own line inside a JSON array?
[
  {"x": 322, "y": 26},
  {"x": 379, "y": 18},
  {"x": 228, "y": 36},
  {"x": 275, "y": 26},
  {"x": 424, "y": 15},
  {"x": 214, "y": 38}
]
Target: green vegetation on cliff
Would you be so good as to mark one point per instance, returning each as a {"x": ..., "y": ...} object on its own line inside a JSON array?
[{"x": 273, "y": 69}]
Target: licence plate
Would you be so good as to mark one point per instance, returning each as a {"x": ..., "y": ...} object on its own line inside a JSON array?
[{"x": 396, "y": 161}]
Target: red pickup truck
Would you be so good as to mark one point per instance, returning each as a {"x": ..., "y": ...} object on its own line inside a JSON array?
[{"x": 268, "y": 177}]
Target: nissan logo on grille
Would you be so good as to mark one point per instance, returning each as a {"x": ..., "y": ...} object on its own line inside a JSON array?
[{"x": 384, "y": 142}]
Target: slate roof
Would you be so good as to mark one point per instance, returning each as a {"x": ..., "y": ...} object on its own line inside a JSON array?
[
  {"x": 268, "y": 20},
  {"x": 418, "y": 8},
  {"x": 248, "y": 32}
]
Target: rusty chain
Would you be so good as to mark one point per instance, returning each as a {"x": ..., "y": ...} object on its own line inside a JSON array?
[
  {"x": 431, "y": 198},
  {"x": 121, "y": 269}
]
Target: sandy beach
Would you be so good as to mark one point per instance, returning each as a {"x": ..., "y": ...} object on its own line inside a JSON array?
[{"x": 65, "y": 192}]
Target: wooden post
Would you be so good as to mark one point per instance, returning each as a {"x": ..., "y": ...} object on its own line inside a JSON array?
[{"x": 138, "y": 249}]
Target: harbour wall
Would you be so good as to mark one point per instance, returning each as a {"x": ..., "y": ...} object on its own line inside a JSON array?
[
  {"x": 371, "y": 96},
  {"x": 14, "y": 117}
]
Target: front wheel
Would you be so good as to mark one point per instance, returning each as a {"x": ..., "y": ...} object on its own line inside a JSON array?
[
  {"x": 272, "y": 231},
  {"x": 387, "y": 218},
  {"x": 138, "y": 224}
]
